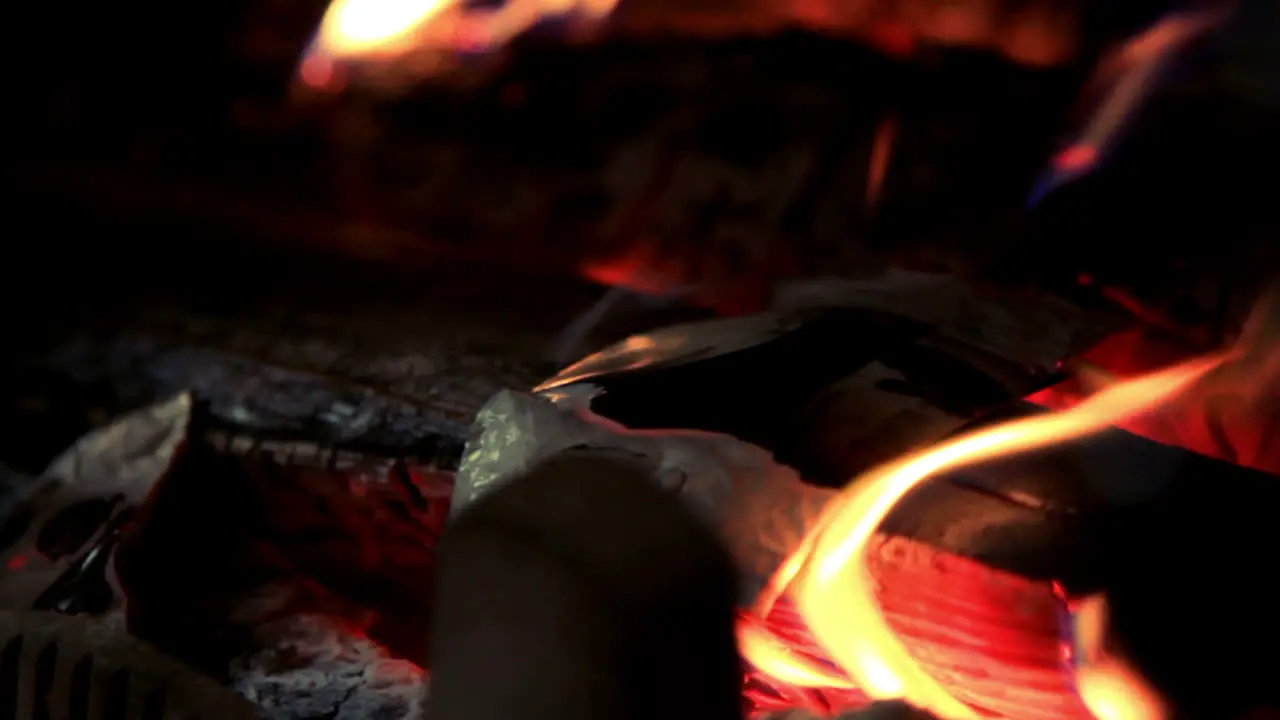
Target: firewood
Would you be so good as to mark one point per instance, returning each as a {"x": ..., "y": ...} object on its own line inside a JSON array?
[{"x": 583, "y": 591}]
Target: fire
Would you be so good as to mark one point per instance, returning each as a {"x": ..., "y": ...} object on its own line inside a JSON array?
[
  {"x": 830, "y": 583},
  {"x": 357, "y": 27},
  {"x": 1108, "y": 686},
  {"x": 1232, "y": 416},
  {"x": 387, "y": 29}
]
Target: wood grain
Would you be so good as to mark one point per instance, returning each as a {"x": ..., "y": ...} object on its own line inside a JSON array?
[{"x": 993, "y": 639}]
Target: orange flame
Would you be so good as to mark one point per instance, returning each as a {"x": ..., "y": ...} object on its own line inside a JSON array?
[
  {"x": 834, "y": 591},
  {"x": 360, "y": 27},
  {"x": 1109, "y": 687},
  {"x": 366, "y": 29}
]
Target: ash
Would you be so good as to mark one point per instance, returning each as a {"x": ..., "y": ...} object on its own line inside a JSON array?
[{"x": 313, "y": 666}]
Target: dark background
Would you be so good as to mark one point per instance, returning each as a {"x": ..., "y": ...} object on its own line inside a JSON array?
[{"x": 161, "y": 159}]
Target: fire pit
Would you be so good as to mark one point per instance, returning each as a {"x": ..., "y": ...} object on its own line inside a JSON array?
[
  {"x": 300, "y": 570},
  {"x": 984, "y": 482}
]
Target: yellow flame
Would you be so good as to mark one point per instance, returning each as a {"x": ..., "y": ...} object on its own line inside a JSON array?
[
  {"x": 1109, "y": 686},
  {"x": 754, "y": 640},
  {"x": 834, "y": 590},
  {"x": 357, "y": 27}
]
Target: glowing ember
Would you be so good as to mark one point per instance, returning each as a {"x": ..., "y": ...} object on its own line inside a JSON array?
[
  {"x": 1231, "y": 416},
  {"x": 830, "y": 583},
  {"x": 878, "y": 165}
]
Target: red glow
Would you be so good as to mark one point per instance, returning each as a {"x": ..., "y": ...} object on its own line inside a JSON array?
[
  {"x": 1234, "y": 421},
  {"x": 1076, "y": 158},
  {"x": 954, "y": 615},
  {"x": 844, "y": 599},
  {"x": 317, "y": 71},
  {"x": 631, "y": 272},
  {"x": 645, "y": 270}
]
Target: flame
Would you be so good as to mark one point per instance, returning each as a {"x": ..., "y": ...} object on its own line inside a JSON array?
[
  {"x": 833, "y": 589},
  {"x": 396, "y": 30},
  {"x": 878, "y": 164},
  {"x": 364, "y": 27},
  {"x": 755, "y": 640},
  {"x": 1109, "y": 686},
  {"x": 373, "y": 29},
  {"x": 1232, "y": 415}
]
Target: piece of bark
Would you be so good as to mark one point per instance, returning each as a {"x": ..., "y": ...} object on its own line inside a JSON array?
[
  {"x": 760, "y": 507},
  {"x": 67, "y": 526},
  {"x": 1034, "y": 331},
  {"x": 928, "y": 354}
]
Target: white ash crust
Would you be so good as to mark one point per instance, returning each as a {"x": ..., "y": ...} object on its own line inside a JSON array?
[
  {"x": 760, "y": 507},
  {"x": 313, "y": 667}
]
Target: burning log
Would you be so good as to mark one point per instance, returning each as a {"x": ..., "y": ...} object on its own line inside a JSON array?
[
  {"x": 969, "y": 545},
  {"x": 1026, "y": 518},
  {"x": 954, "y": 614},
  {"x": 763, "y": 510},
  {"x": 1012, "y": 664},
  {"x": 1057, "y": 515}
]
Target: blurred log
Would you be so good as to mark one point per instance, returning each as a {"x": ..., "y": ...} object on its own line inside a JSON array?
[
  {"x": 724, "y": 151},
  {"x": 720, "y": 162},
  {"x": 582, "y": 591}
]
